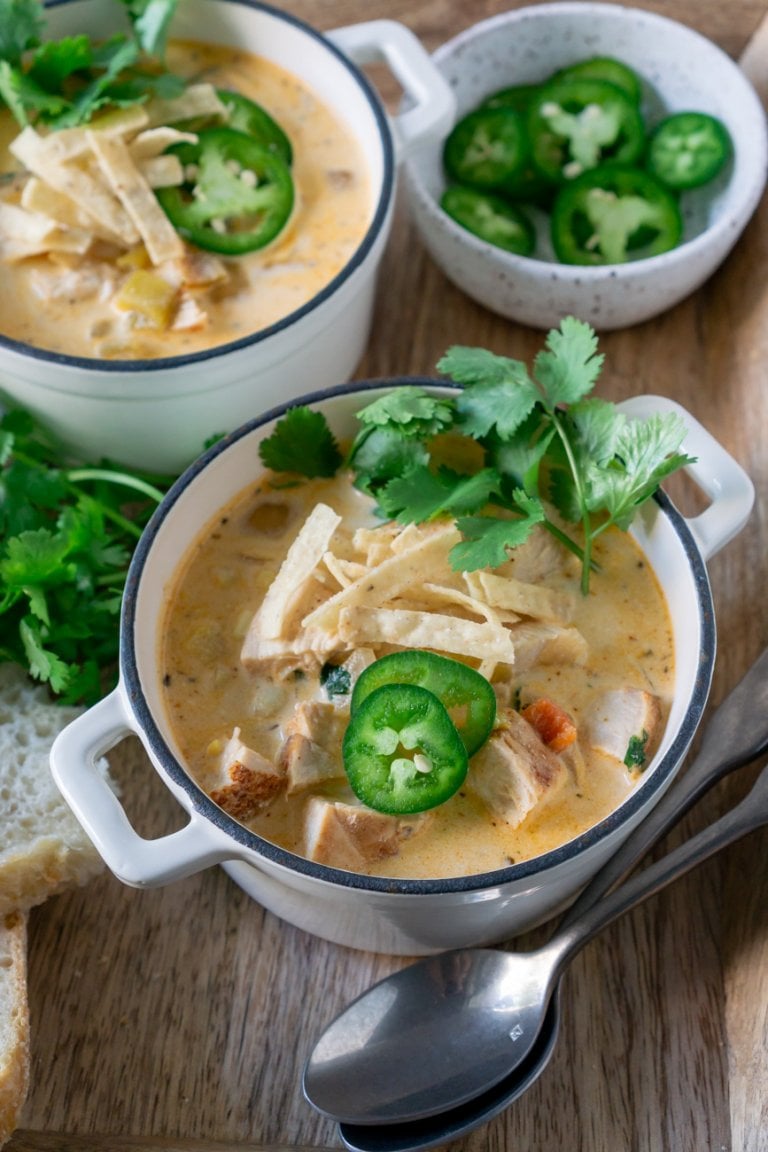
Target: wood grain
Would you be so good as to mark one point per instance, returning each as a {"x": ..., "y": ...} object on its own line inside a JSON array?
[{"x": 185, "y": 1014}]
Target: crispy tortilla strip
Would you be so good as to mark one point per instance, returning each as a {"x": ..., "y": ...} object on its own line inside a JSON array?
[
  {"x": 38, "y": 196},
  {"x": 72, "y": 143},
  {"x": 161, "y": 171},
  {"x": 155, "y": 141},
  {"x": 161, "y": 239},
  {"x": 517, "y": 596},
  {"x": 75, "y": 182},
  {"x": 375, "y": 543},
  {"x": 24, "y": 233},
  {"x": 389, "y": 579},
  {"x": 344, "y": 572},
  {"x": 456, "y": 596},
  {"x": 433, "y": 630},
  {"x": 302, "y": 558},
  {"x": 197, "y": 100}
]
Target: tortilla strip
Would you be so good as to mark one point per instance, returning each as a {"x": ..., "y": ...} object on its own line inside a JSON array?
[
  {"x": 161, "y": 171},
  {"x": 38, "y": 196},
  {"x": 526, "y": 599},
  {"x": 197, "y": 100},
  {"x": 432, "y": 630},
  {"x": 392, "y": 577},
  {"x": 154, "y": 141},
  {"x": 303, "y": 556},
  {"x": 24, "y": 233},
  {"x": 344, "y": 572},
  {"x": 77, "y": 184},
  {"x": 456, "y": 596},
  {"x": 71, "y": 143},
  {"x": 161, "y": 239}
]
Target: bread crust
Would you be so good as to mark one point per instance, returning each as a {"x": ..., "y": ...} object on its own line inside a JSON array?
[{"x": 14, "y": 1021}]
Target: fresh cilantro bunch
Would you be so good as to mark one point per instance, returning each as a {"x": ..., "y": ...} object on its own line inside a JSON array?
[
  {"x": 62, "y": 83},
  {"x": 66, "y": 538},
  {"x": 549, "y": 452}
]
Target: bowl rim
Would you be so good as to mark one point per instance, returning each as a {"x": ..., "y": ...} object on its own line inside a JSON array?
[
  {"x": 746, "y": 196},
  {"x": 246, "y": 839},
  {"x": 375, "y": 226}
]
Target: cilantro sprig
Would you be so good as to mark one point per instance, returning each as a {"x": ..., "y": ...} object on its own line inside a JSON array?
[
  {"x": 63, "y": 83},
  {"x": 550, "y": 453},
  {"x": 66, "y": 537}
]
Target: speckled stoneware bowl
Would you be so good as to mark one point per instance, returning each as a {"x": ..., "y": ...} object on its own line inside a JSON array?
[{"x": 682, "y": 70}]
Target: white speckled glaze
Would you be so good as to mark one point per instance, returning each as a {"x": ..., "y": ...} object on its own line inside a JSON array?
[
  {"x": 682, "y": 70},
  {"x": 158, "y": 414},
  {"x": 381, "y": 914}
]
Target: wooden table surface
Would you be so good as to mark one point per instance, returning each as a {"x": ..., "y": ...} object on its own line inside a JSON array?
[{"x": 185, "y": 1014}]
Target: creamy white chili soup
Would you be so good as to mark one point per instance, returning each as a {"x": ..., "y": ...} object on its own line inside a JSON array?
[
  {"x": 295, "y": 591},
  {"x": 83, "y": 296}
]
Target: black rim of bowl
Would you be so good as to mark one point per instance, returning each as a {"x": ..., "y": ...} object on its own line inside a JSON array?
[
  {"x": 246, "y": 839},
  {"x": 383, "y": 204}
]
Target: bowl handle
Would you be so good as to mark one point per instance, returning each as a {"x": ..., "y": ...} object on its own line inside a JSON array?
[
  {"x": 134, "y": 860},
  {"x": 430, "y": 104},
  {"x": 725, "y": 482}
]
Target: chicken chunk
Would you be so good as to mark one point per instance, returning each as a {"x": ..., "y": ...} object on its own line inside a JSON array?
[
  {"x": 625, "y": 723},
  {"x": 307, "y": 764},
  {"x": 515, "y": 772},
  {"x": 347, "y": 835},
  {"x": 248, "y": 781}
]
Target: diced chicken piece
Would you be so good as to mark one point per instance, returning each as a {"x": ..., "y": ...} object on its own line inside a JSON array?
[
  {"x": 547, "y": 644},
  {"x": 538, "y": 557},
  {"x": 311, "y": 752},
  {"x": 515, "y": 772},
  {"x": 347, "y": 835},
  {"x": 624, "y": 723},
  {"x": 307, "y": 764},
  {"x": 189, "y": 317},
  {"x": 320, "y": 722},
  {"x": 194, "y": 269},
  {"x": 248, "y": 781},
  {"x": 84, "y": 283}
]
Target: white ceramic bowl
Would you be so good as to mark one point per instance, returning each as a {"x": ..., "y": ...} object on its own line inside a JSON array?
[
  {"x": 380, "y": 914},
  {"x": 157, "y": 414},
  {"x": 682, "y": 71}
]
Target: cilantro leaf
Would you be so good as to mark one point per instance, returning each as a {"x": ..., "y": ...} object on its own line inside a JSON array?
[
  {"x": 646, "y": 453},
  {"x": 488, "y": 539},
  {"x": 111, "y": 57},
  {"x": 151, "y": 20},
  {"x": 22, "y": 94},
  {"x": 56, "y": 60},
  {"x": 43, "y": 663},
  {"x": 568, "y": 367},
  {"x": 66, "y": 536},
  {"x": 21, "y": 25},
  {"x": 379, "y": 455},
  {"x": 301, "y": 442},
  {"x": 422, "y": 495},
  {"x": 498, "y": 392},
  {"x": 517, "y": 458},
  {"x": 410, "y": 410}
]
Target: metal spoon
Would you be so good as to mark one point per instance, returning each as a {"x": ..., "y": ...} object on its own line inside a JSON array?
[
  {"x": 400, "y": 1053},
  {"x": 522, "y": 984}
]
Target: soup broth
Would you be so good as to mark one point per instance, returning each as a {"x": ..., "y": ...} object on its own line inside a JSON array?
[
  {"x": 67, "y": 304},
  {"x": 239, "y": 697}
]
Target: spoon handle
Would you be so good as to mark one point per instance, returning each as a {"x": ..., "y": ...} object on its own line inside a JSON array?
[
  {"x": 736, "y": 734},
  {"x": 748, "y": 815}
]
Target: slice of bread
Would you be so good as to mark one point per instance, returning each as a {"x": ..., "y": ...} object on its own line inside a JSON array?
[
  {"x": 14, "y": 1021},
  {"x": 43, "y": 848}
]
